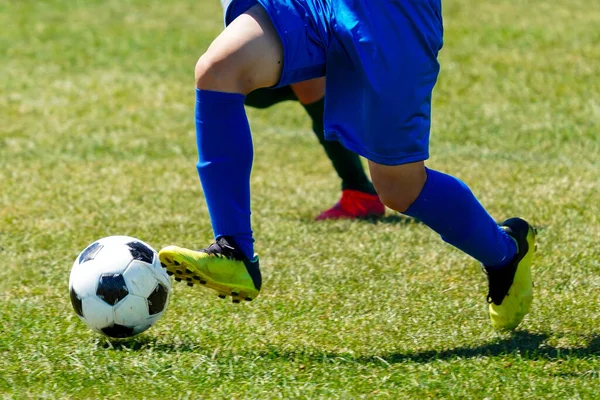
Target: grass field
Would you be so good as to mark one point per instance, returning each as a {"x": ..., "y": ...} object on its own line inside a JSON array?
[{"x": 97, "y": 139}]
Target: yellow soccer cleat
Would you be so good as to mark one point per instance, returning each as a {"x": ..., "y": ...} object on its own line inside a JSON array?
[
  {"x": 220, "y": 267},
  {"x": 511, "y": 287}
]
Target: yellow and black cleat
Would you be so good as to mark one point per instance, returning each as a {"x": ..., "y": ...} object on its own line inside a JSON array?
[
  {"x": 511, "y": 287},
  {"x": 220, "y": 267}
]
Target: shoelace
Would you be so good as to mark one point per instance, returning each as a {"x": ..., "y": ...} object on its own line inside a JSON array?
[{"x": 222, "y": 248}]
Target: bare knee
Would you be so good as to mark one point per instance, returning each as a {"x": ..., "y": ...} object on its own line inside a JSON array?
[
  {"x": 398, "y": 186},
  {"x": 398, "y": 200},
  {"x": 219, "y": 74},
  {"x": 247, "y": 55}
]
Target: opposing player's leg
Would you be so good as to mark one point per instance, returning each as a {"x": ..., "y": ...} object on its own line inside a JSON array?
[
  {"x": 247, "y": 55},
  {"x": 266, "y": 97},
  {"x": 359, "y": 198}
]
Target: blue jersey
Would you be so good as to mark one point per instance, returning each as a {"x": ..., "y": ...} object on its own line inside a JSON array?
[{"x": 380, "y": 59}]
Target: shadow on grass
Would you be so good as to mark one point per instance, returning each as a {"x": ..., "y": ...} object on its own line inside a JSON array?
[
  {"x": 396, "y": 219},
  {"x": 399, "y": 219},
  {"x": 145, "y": 343},
  {"x": 392, "y": 219},
  {"x": 526, "y": 345}
]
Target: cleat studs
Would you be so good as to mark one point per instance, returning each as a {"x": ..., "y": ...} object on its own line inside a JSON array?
[
  {"x": 196, "y": 277},
  {"x": 163, "y": 265},
  {"x": 188, "y": 279},
  {"x": 178, "y": 279},
  {"x": 222, "y": 296},
  {"x": 178, "y": 272},
  {"x": 203, "y": 282},
  {"x": 169, "y": 273},
  {"x": 236, "y": 301},
  {"x": 187, "y": 271},
  {"x": 248, "y": 299},
  {"x": 190, "y": 284},
  {"x": 176, "y": 262},
  {"x": 235, "y": 294}
]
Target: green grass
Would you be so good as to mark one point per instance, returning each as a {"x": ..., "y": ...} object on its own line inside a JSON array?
[{"x": 97, "y": 139}]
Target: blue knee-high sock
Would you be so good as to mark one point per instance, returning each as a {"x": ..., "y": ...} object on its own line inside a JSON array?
[
  {"x": 224, "y": 163},
  {"x": 449, "y": 207}
]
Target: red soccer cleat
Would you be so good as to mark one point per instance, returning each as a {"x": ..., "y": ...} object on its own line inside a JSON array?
[{"x": 354, "y": 204}]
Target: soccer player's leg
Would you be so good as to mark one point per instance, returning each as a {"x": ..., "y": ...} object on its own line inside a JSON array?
[
  {"x": 247, "y": 55},
  {"x": 264, "y": 45},
  {"x": 397, "y": 79},
  {"x": 448, "y": 206}
]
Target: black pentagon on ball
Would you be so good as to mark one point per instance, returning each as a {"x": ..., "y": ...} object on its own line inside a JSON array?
[
  {"x": 76, "y": 302},
  {"x": 112, "y": 288},
  {"x": 157, "y": 299},
  {"x": 117, "y": 331},
  {"x": 139, "y": 251},
  {"x": 90, "y": 252}
]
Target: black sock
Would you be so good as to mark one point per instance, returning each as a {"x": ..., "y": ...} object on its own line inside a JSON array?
[
  {"x": 346, "y": 163},
  {"x": 265, "y": 98}
]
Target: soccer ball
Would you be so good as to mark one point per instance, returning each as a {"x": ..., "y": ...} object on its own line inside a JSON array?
[{"x": 118, "y": 286}]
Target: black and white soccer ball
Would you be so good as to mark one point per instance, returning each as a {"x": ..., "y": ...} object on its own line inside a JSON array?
[{"x": 118, "y": 286}]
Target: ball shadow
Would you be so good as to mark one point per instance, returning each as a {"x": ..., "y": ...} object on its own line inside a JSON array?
[{"x": 145, "y": 343}]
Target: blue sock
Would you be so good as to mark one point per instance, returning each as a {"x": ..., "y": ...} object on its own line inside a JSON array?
[
  {"x": 224, "y": 163},
  {"x": 449, "y": 207}
]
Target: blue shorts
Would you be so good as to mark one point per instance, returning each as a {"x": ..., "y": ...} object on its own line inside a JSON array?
[{"x": 380, "y": 58}]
